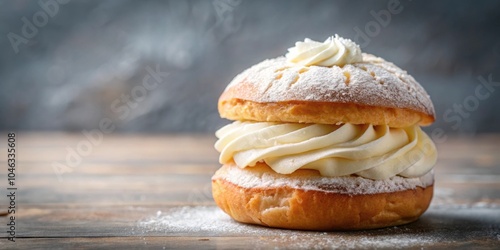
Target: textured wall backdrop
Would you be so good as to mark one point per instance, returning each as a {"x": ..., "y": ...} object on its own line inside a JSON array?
[{"x": 69, "y": 65}]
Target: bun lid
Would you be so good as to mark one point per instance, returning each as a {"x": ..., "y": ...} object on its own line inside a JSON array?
[{"x": 361, "y": 89}]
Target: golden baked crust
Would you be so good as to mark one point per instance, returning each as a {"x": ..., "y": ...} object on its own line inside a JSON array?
[
  {"x": 294, "y": 208},
  {"x": 374, "y": 91},
  {"x": 320, "y": 113}
]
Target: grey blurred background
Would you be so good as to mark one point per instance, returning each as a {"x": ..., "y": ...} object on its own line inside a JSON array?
[{"x": 68, "y": 66}]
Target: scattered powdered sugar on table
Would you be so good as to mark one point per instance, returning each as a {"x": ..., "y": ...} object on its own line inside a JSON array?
[
  {"x": 210, "y": 221},
  {"x": 355, "y": 242}
]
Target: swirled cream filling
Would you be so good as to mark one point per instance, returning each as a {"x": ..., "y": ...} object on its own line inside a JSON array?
[{"x": 374, "y": 152}]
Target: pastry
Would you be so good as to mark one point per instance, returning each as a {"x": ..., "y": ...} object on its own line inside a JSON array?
[{"x": 325, "y": 138}]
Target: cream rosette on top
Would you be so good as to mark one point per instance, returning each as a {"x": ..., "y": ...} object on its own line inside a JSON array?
[{"x": 334, "y": 51}]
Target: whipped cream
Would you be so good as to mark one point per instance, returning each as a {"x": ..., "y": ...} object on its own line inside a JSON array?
[
  {"x": 334, "y": 51},
  {"x": 374, "y": 152}
]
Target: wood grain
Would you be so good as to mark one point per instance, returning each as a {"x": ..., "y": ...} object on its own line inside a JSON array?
[{"x": 127, "y": 179}]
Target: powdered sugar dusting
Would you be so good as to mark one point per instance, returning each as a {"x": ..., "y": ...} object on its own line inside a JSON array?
[
  {"x": 343, "y": 185},
  {"x": 372, "y": 82},
  {"x": 210, "y": 221}
]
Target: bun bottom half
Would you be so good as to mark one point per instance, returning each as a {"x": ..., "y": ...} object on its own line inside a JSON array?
[{"x": 292, "y": 207}]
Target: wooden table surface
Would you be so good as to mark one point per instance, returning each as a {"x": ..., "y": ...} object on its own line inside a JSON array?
[{"x": 153, "y": 191}]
